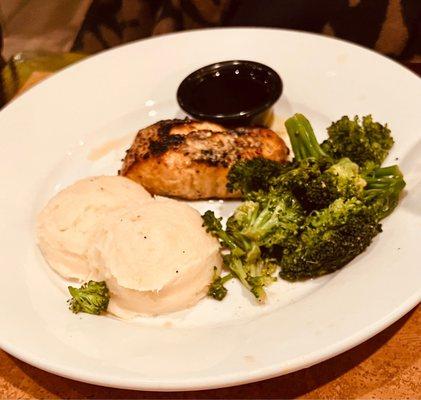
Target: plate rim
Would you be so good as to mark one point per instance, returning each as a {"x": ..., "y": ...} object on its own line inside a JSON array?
[{"x": 229, "y": 380}]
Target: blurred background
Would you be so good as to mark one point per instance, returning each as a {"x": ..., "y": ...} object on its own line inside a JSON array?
[{"x": 39, "y": 37}]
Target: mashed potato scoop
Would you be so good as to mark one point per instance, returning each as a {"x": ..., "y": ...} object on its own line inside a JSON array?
[{"x": 153, "y": 254}]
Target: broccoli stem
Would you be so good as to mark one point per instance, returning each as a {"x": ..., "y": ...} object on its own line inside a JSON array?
[
  {"x": 384, "y": 179},
  {"x": 230, "y": 242},
  {"x": 303, "y": 140},
  {"x": 236, "y": 266},
  {"x": 259, "y": 293},
  {"x": 383, "y": 188},
  {"x": 392, "y": 170},
  {"x": 254, "y": 254},
  {"x": 250, "y": 275},
  {"x": 226, "y": 278}
]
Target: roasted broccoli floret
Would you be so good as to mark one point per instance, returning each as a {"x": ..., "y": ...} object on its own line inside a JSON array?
[
  {"x": 310, "y": 216},
  {"x": 317, "y": 184},
  {"x": 384, "y": 186},
  {"x": 366, "y": 143},
  {"x": 335, "y": 235},
  {"x": 217, "y": 290},
  {"x": 330, "y": 239},
  {"x": 92, "y": 298},
  {"x": 244, "y": 261},
  {"x": 256, "y": 174},
  {"x": 268, "y": 219},
  {"x": 318, "y": 179}
]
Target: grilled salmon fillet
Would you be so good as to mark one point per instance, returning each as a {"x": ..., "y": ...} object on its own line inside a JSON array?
[{"x": 190, "y": 159}]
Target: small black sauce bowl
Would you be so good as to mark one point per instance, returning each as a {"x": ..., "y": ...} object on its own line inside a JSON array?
[{"x": 255, "y": 115}]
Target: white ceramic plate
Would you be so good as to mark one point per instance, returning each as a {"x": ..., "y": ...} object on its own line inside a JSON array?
[{"x": 79, "y": 123}]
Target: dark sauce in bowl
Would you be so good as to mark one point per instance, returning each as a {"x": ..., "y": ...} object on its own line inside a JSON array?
[
  {"x": 227, "y": 94},
  {"x": 230, "y": 92}
]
